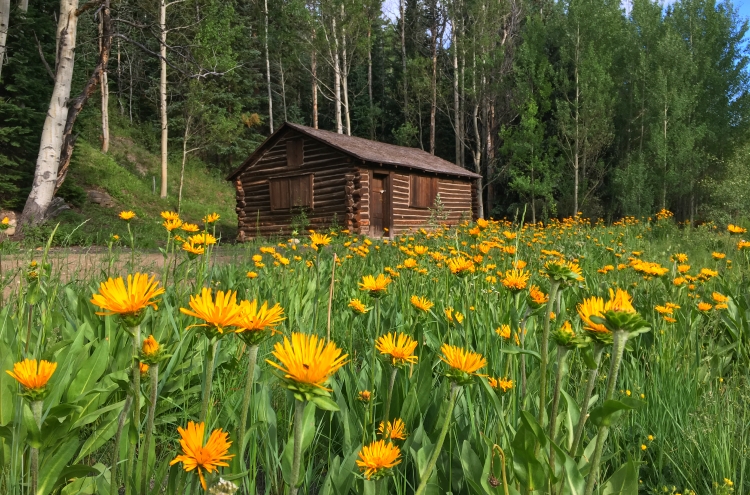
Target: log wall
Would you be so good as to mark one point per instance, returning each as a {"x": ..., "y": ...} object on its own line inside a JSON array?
[{"x": 334, "y": 177}]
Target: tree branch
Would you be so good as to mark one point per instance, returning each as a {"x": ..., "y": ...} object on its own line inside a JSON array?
[{"x": 44, "y": 60}]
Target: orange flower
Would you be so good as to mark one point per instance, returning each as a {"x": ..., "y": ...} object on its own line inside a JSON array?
[
  {"x": 307, "y": 360},
  {"x": 401, "y": 348},
  {"x": 378, "y": 458},
  {"x": 33, "y": 375},
  {"x": 197, "y": 456}
]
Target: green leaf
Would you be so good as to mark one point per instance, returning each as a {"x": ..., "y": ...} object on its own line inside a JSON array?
[
  {"x": 517, "y": 350},
  {"x": 33, "y": 435},
  {"x": 611, "y": 410},
  {"x": 101, "y": 435},
  {"x": 53, "y": 464},
  {"x": 572, "y": 415},
  {"x": 91, "y": 417},
  {"x": 624, "y": 481},
  {"x": 92, "y": 369},
  {"x": 325, "y": 403}
]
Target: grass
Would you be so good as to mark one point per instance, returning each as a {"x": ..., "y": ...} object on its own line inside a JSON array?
[
  {"x": 127, "y": 173},
  {"x": 694, "y": 373}
]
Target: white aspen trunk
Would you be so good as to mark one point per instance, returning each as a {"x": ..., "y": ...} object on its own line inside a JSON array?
[
  {"x": 369, "y": 80},
  {"x": 664, "y": 184},
  {"x": 163, "y": 95},
  {"x": 314, "y": 70},
  {"x": 268, "y": 68},
  {"x": 403, "y": 58},
  {"x": 336, "y": 78},
  {"x": 119, "y": 80},
  {"x": 576, "y": 162},
  {"x": 48, "y": 160},
  {"x": 433, "y": 82},
  {"x": 345, "y": 75},
  {"x": 456, "y": 104},
  {"x": 104, "y": 86},
  {"x": 185, "y": 138},
  {"x": 4, "y": 21},
  {"x": 283, "y": 90},
  {"x": 23, "y": 5},
  {"x": 462, "y": 105}
]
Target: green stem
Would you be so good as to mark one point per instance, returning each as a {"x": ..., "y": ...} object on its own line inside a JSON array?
[
  {"x": 562, "y": 353},
  {"x": 136, "y": 334},
  {"x": 36, "y": 409},
  {"x": 154, "y": 376},
  {"x": 210, "y": 359},
  {"x": 436, "y": 452},
  {"x": 390, "y": 394},
  {"x": 618, "y": 347},
  {"x": 118, "y": 438},
  {"x": 299, "y": 411},
  {"x": 252, "y": 356},
  {"x": 545, "y": 351},
  {"x": 598, "y": 351}
]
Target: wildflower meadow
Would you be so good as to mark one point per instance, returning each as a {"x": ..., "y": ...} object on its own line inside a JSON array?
[{"x": 493, "y": 357}]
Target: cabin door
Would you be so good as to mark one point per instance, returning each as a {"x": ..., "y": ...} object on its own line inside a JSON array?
[{"x": 379, "y": 203}]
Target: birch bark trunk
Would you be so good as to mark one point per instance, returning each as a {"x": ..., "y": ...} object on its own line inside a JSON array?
[
  {"x": 105, "y": 94},
  {"x": 369, "y": 80},
  {"x": 456, "y": 104},
  {"x": 23, "y": 5},
  {"x": 4, "y": 21},
  {"x": 163, "y": 96},
  {"x": 433, "y": 79},
  {"x": 47, "y": 163},
  {"x": 336, "y": 77},
  {"x": 314, "y": 70},
  {"x": 403, "y": 59},
  {"x": 268, "y": 68},
  {"x": 345, "y": 75}
]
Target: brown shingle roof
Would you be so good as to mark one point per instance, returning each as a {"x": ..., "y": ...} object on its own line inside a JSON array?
[{"x": 374, "y": 152}]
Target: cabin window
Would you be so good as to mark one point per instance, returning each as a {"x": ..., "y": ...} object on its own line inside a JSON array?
[
  {"x": 291, "y": 192},
  {"x": 295, "y": 153},
  {"x": 422, "y": 191}
]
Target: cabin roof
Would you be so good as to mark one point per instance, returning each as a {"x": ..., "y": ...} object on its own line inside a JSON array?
[{"x": 366, "y": 150}]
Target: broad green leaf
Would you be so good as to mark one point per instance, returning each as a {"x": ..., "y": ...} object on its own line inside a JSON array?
[
  {"x": 624, "y": 481},
  {"x": 53, "y": 465},
  {"x": 611, "y": 410},
  {"x": 33, "y": 435},
  {"x": 100, "y": 436},
  {"x": 92, "y": 369}
]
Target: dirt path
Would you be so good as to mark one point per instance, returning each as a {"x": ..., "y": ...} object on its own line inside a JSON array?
[{"x": 92, "y": 263}]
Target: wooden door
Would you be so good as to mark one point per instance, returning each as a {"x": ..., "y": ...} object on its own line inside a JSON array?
[{"x": 379, "y": 219}]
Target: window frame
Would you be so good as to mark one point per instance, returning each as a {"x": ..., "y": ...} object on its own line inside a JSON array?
[
  {"x": 287, "y": 203},
  {"x": 417, "y": 181}
]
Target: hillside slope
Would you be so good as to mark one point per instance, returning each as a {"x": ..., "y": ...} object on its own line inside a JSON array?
[{"x": 127, "y": 178}]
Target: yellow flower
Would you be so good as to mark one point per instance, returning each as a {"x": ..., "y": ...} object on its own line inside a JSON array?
[
  {"x": 482, "y": 223},
  {"x": 319, "y": 239},
  {"x": 410, "y": 263},
  {"x": 172, "y": 224},
  {"x": 307, "y": 360},
  {"x": 5, "y": 221},
  {"x": 650, "y": 437},
  {"x": 592, "y": 306},
  {"x": 192, "y": 248},
  {"x": 503, "y": 331},
  {"x": 719, "y": 298},
  {"x": 394, "y": 431},
  {"x": 115, "y": 298},
  {"x": 718, "y": 256},
  {"x": 33, "y": 375},
  {"x": 143, "y": 367},
  {"x": 680, "y": 257},
  {"x": 537, "y": 296},
  {"x": 460, "y": 265},
  {"x": 378, "y": 457},
  {"x": 736, "y": 229},
  {"x": 217, "y": 315},
  {"x": 643, "y": 447},
  {"x": 150, "y": 347},
  {"x": 364, "y": 396},
  {"x": 683, "y": 268},
  {"x": 127, "y": 215},
  {"x": 204, "y": 238},
  {"x": 420, "y": 250},
  {"x": 376, "y": 286},
  {"x": 252, "y": 274},
  {"x": 516, "y": 280},
  {"x": 500, "y": 383},
  {"x": 401, "y": 348},
  {"x": 211, "y": 218},
  {"x": 197, "y": 456},
  {"x": 619, "y": 301},
  {"x": 189, "y": 227},
  {"x": 358, "y": 306},
  {"x": 453, "y": 316},
  {"x": 421, "y": 303},
  {"x": 253, "y": 319},
  {"x": 704, "y": 306},
  {"x": 462, "y": 360},
  {"x": 679, "y": 281},
  {"x": 169, "y": 216}
]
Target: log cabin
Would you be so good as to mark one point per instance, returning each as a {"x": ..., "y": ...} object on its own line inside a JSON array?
[{"x": 368, "y": 187}]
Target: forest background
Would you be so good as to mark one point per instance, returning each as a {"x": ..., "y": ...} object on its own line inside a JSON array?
[{"x": 586, "y": 106}]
